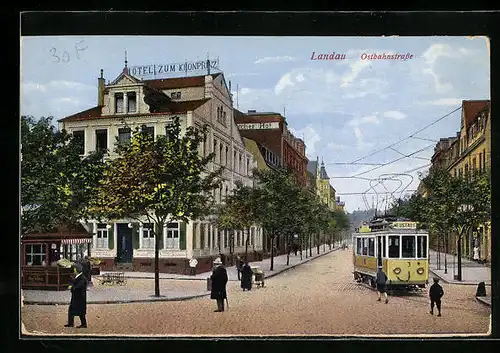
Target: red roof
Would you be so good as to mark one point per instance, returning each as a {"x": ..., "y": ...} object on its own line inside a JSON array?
[
  {"x": 91, "y": 113},
  {"x": 472, "y": 108},
  {"x": 173, "y": 108},
  {"x": 178, "y": 82}
]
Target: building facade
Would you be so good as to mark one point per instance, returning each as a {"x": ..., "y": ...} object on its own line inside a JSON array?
[
  {"x": 128, "y": 102},
  {"x": 324, "y": 190},
  {"x": 468, "y": 151},
  {"x": 277, "y": 144}
]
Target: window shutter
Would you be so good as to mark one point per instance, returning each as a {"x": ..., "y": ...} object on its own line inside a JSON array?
[
  {"x": 111, "y": 237},
  {"x": 182, "y": 236},
  {"x": 135, "y": 235}
]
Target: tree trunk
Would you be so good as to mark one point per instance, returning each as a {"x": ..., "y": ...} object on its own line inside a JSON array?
[
  {"x": 317, "y": 243},
  {"x": 272, "y": 254},
  {"x": 301, "y": 247},
  {"x": 156, "y": 234},
  {"x": 287, "y": 250},
  {"x": 459, "y": 255},
  {"x": 246, "y": 244},
  {"x": 445, "y": 253}
]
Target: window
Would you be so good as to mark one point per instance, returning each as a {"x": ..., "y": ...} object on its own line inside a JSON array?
[
  {"x": 149, "y": 130},
  {"x": 394, "y": 246},
  {"x": 79, "y": 137},
  {"x": 234, "y": 160},
  {"x": 101, "y": 140},
  {"x": 227, "y": 155},
  {"x": 35, "y": 254},
  {"x": 384, "y": 243},
  {"x": 421, "y": 246},
  {"x": 215, "y": 150},
  {"x": 474, "y": 165},
  {"x": 132, "y": 102},
  {"x": 148, "y": 237},
  {"x": 119, "y": 103},
  {"x": 484, "y": 159},
  {"x": 124, "y": 135},
  {"x": 371, "y": 246},
  {"x": 102, "y": 236},
  {"x": 224, "y": 120},
  {"x": 466, "y": 169},
  {"x": 220, "y": 152},
  {"x": 480, "y": 163},
  {"x": 365, "y": 246},
  {"x": 408, "y": 246},
  {"x": 172, "y": 241},
  {"x": 175, "y": 95},
  {"x": 248, "y": 166}
]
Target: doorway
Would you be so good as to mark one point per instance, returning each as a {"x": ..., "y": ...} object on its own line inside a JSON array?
[{"x": 124, "y": 248}]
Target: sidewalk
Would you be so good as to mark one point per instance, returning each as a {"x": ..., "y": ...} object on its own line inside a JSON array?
[
  {"x": 472, "y": 272},
  {"x": 182, "y": 291},
  {"x": 232, "y": 274}
]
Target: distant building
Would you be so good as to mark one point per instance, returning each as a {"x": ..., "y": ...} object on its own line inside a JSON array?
[
  {"x": 277, "y": 144},
  {"x": 324, "y": 190}
]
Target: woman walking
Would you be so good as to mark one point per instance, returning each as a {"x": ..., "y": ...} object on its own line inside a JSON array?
[{"x": 246, "y": 277}]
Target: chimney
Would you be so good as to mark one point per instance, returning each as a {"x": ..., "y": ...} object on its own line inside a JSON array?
[{"x": 100, "y": 90}]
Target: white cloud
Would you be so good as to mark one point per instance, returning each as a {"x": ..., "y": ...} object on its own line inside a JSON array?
[
  {"x": 273, "y": 59},
  {"x": 310, "y": 137},
  {"x": 394, "y": 114},
  {"x": 368, "y": 119},
  {"x": 285, "y": 80},
  {"x": 243, "y": 74},
  {"x": 300, "y": 77},
  {"x": 355, "y": 69},
  {"x": 444, "y": 101},
  {"x": 336, "y": 146}
]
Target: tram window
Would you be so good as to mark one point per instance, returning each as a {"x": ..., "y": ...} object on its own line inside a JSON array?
[
  {"x": 358, "y": 246},
  {"x": 408, "y": 246},
  {"x": 421, "y": 246},
  {"x": 371, "y": 246},
  {"x": 365, "y": 246},
  {"x": 383, "y": 246},
  {"x": 394, "y": 246}
]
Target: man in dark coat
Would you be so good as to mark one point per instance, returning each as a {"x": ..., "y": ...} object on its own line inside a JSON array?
[
  {"x": 78, "y": 305},
  {"x": 219, "y": 281},
  {"x": 436, "y": 292},
  {"x": 381, "y": 284},
  {"x": 87, "y": 270},
  {"x": 246, "y": 277}
]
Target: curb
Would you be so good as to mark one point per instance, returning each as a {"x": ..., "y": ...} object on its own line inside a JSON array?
[
  {"x": 174, "y": 299},
  {"x": 454, "y": 281},
  {"x": 482, "y": 300}
]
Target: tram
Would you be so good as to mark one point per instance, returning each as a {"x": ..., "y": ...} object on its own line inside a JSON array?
[{"x": 398, "y": 247}]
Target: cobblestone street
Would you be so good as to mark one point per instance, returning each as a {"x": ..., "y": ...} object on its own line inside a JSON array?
[{"x": 316, "y": 298}]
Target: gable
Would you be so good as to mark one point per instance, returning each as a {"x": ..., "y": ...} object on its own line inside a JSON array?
[
  {"x": 124, "y": 79},
  {"x": 220, "y": 79}
]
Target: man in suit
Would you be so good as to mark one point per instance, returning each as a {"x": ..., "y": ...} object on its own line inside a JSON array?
[
  {"x": 219, "y": 281},
  {"x": 436, "y": 292},
  {"x": 78, "y": 304}
]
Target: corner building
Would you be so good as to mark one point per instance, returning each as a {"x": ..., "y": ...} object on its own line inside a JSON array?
[{"x": 152, "y": 104}]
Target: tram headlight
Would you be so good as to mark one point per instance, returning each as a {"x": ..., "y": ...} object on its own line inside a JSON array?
[
  {"x": 420, "y": 270},
  {"x": 397, "y": 270}
]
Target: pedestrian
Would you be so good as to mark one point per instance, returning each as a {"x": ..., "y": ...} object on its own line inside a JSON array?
[
  {"x": 219, "y": 281},
  {"x": 192, "y": 266},
  {"x": 239, "y": 264},
  {"x": 476, "y": 253},
  {"x": 87, "y": 270},
  {"x": 436, "y": 292},
  {"x": 78, "y": 304},
  {"x": 381, "y": 281},
  {"x": 246, "y": 277}
]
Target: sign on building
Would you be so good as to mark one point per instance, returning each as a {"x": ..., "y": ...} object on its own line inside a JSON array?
[
  {"x": 155, "y": 70},
  {"x": 404, "y": 225},
  {"x": 259, "y": 126}
]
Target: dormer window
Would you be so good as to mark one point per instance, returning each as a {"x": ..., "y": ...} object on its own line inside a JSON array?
[
  {"x": 119, "y": 103},
  {"x": 131, "y": 102},
  {"x": 175, "y": 95}
]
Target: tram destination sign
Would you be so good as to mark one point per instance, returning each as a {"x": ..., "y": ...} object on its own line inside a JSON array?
[
  {"x": 155, "y": 70},
  {"x": 404, "y": 225}
]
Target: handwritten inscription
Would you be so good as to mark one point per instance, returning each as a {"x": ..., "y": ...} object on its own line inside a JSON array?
[{"x": 65, "y": 56}]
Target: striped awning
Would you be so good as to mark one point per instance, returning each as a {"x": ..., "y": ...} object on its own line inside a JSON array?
[{"x": 76, "y": 241}]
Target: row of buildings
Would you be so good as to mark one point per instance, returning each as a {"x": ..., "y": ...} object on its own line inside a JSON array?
[
  {"x": 241, "y": 142},
  {"x": 469, "y": 150}
]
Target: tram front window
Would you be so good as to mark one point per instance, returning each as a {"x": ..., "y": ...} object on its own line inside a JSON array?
[
  {"x": 408, "y": 246},
  {"x": 421, "y": 246},
  {"x": 394, "y": 246},
  {"x": 371, "y": 246}
]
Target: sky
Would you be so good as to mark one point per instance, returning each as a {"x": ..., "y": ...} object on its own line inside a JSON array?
[{"x": 346, "y": 111}]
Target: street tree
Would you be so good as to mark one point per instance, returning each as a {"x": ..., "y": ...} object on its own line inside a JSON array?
[
  {"x": 160, "y": 179},
  {"x": 57, "y": 183}
]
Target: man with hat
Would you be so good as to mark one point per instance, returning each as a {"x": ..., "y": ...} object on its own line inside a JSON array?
[
  {"x": 78, "y": 304},
  {"x": 219, "y": 281},
  {"x": 436, "y": 292}
]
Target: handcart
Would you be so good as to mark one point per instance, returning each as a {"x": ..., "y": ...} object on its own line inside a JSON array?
[{"x": 258, "y": 275}]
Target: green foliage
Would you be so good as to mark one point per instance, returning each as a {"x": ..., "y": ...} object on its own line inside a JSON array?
[{"x": 57, "y": 184}]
